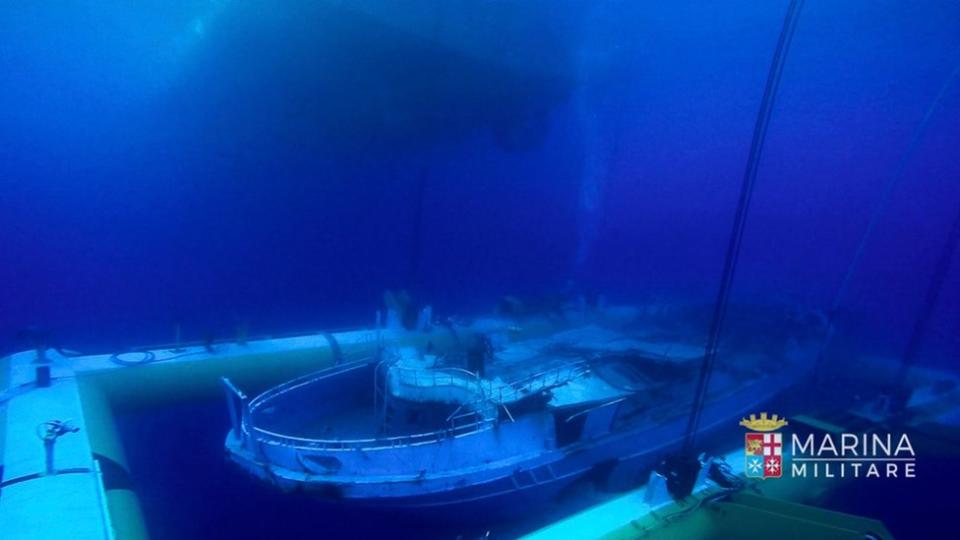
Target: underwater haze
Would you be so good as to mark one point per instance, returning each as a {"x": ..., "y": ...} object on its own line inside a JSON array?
[
  {"x": 270, "y": 167},
  {"x": 282, "y": 164}
]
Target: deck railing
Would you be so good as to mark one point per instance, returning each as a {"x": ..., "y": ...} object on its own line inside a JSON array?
[
  {"x": 305, "y": 380},
  {"x": 251, "y": 433},
  {"x": 479, "y": 414},
  {"x": 540, "y": 381},
  {"x": 276, "y": 439},
  {"x": 438, "y": 377}
]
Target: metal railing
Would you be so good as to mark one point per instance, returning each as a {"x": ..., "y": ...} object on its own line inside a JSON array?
[
  {"x": 480, "y": 413},
  {"x": 482, "y": 409},
  {"x": 305, "y": 380},
  {"x": 277, "y": 439},
  {"x": 438, "y": 377},
  {"x": 250, "y": 431},
  {"x": 541, "y": 381}
]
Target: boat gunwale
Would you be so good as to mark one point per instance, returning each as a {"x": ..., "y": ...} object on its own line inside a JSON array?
[{"x": 417, "y": 439}]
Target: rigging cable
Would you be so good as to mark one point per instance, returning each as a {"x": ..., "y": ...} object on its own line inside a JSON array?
[
  {"x": 878, "y": 212},
  {"x": 736, "y": 235},
  {"x": 926, "y": 309}
]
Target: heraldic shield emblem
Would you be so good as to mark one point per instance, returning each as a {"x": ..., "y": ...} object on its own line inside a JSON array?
[{"x": 763, "y": 449}]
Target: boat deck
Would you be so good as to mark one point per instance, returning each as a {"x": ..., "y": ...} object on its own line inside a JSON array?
[
  {"x": 35, "y": 505},
  {"x": 359, "y": 423},
  {"x": 74, "y": 502}
]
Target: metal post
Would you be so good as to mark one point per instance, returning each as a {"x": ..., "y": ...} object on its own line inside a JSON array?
[
  {"x": 236, "y": 406},
  {"x": 49, "y": 432},
  {"x": 176, "y": 338},
  {"x": 48, "y": 455}
]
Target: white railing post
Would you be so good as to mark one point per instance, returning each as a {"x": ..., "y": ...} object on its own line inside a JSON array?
[{"x": 237, "y": 406}]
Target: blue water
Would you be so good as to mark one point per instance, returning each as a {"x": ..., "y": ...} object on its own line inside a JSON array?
[{"x": 276, "y": 166}]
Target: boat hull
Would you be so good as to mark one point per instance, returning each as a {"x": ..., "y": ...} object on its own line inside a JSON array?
[{"x": 622, "y": 458}]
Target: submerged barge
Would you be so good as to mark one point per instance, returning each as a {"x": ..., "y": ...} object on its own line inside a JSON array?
[{"x": 478, "y": 410}]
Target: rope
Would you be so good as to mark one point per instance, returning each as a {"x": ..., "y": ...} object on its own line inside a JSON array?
[
  {"x": 739, "y": 222},
  {"x": 878, "y": 212},
  {"x": 146, "y": 357},
  {"x": 929, "y": 303}
]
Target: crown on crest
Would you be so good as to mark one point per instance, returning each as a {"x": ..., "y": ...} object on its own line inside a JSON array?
[{"x": 763, "y": 423}]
